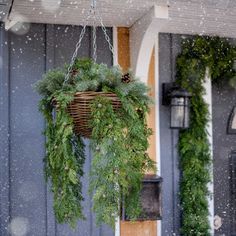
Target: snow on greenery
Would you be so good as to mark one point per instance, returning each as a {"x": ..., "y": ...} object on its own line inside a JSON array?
[
  {"x": 198, "y": 54},
  {"x": 119, "y": 142}
]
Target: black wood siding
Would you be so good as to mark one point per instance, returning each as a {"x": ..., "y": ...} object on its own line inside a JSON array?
[{"x": 169, "y": 46}]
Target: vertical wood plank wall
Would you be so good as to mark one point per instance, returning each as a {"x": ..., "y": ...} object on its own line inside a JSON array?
[
  {"x": 25, "y": 200},
  {"x": 140, "y": 228}
]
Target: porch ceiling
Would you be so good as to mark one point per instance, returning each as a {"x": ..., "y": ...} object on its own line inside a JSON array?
[
  {"x": 114, "y": 12},
  {"x": 207, "y": 17},
  {"x": 216, "y": 17}
]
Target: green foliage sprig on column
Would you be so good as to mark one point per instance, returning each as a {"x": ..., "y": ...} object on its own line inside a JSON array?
[
  {"x": 197, "y": 55},
  {"x": 119, "y": 142}
]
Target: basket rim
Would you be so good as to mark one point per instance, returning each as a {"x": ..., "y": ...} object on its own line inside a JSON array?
[
  {"x": 95, "y": 92},
  {"x": 89, "y": 95}
]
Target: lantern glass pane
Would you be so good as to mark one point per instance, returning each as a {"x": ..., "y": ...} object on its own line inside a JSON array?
[
  {"x": 177, "y": 112},
  {"x": 186, "y": 115}
]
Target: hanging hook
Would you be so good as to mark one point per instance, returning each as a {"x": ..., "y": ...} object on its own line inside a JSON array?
[{"x": 93, "y": 4}]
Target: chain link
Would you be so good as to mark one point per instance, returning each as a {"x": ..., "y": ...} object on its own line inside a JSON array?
[
  {"x": 94, "y": 44},
  {"x": 94, "y": 31},
  {"x": 105, "y": 33}
]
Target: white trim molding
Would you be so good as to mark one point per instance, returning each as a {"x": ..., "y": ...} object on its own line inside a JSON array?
[
  {"x": 9, "y": 24},
  {"x": 142, "y": 39},
  {"x": 115, "y": 62},
  {"x": 208, "y": 99},
  {"x": 115, "y": 45},
  {"x": 144, "y": 77}
]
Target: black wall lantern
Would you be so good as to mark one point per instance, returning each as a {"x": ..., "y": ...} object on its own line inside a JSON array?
[{"x": 179, "y": 101}]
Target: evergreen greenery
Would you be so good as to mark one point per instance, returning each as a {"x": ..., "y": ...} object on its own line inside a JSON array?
[
  {"x": 119, "y": 142},
  {"x": 198, "y": 54}
]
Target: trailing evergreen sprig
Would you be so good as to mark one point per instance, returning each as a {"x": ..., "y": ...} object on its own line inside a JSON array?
[
  {"x": 119, "y": 142},
  {"x": 198, "y": 54},
  {"x": 64, "y": 160}
]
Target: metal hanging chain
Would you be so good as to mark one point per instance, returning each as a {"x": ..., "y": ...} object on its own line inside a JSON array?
[
  {"x": 93, "y": 11},
  {"x": 77, "y": 47},
  {"x": 97, "y": 16},
  {"x": 105, "y": 32},
  {"x": 93, "y": 6},
  {"x": 94, "y": 44}
]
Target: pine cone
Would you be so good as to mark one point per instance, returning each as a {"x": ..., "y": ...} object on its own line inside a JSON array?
[
  {"x": 126, "y": 78},
  {"x": 74, "y": 72},
  {"x": 140, "y": 112}
]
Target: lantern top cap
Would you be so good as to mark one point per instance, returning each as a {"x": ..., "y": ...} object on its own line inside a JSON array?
[{"x": 180, "y": 92}]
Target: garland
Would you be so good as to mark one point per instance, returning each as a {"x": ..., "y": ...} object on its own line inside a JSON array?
[
  {"x": 119, "y": 142},
  {"x": 198, "y": 54}
]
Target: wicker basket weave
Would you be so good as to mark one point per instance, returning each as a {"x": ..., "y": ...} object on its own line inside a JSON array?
[{"x": 80, "y": 111}]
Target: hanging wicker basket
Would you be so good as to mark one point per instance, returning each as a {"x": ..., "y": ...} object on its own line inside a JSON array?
[{"x": 80, "y": 111}]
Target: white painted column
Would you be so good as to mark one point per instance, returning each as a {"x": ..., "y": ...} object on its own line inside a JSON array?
[
  {"x": 208, "y": 100},
  {"x": 142, "y": 39},
  {"x": 115, "y": 45},
  {"x": 115, "y": 62}
]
